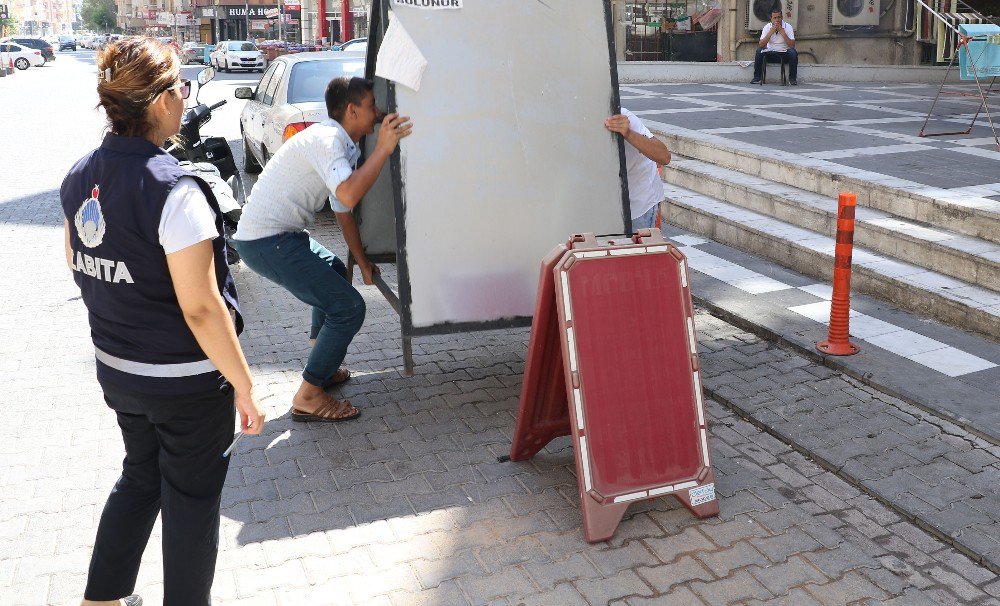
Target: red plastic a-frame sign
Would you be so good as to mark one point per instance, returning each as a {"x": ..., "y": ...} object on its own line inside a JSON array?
[{"x": 613, "y": 362}]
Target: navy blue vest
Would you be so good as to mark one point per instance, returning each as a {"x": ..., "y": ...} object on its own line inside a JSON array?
[{"x": 113, "y": 198}]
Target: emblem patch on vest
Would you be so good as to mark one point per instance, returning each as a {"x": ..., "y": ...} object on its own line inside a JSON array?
[{"x": 89, "y": 220}]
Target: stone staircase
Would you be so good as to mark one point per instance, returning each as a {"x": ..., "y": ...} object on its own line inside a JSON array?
[{"x": 930, "y": 251}]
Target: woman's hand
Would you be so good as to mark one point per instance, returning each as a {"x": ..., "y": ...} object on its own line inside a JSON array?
[{"x": 251, "y": 412}]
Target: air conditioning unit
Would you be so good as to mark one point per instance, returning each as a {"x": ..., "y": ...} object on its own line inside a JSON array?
[
  {"x": 759, "y": 13},
  {"x": 853, "y": 12}
]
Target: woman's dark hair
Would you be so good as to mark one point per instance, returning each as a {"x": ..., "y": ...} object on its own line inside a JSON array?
[
  {"x": 343, "y": 90},
  {"x": 131, "y": 73}
]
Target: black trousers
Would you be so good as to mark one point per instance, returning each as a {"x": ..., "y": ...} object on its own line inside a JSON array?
[
  {"x": 173, "y": 465},
  {"x": 791, "y": 58}
]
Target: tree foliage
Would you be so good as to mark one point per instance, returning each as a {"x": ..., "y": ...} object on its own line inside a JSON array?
[
  {"x": 99, "y": 15},
  {"x": 10, "y": 24}
]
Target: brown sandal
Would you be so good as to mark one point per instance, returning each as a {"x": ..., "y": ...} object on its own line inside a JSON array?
[
  {"x": 332, "y": 411},
  {"x": 341, "y": 376}
]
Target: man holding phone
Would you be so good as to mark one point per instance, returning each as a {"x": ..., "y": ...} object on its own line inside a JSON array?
[
  {"x": 776, "y": 37},
  {"x": 317, "y": 163}
]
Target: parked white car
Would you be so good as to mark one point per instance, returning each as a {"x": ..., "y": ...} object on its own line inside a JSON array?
[
  {"x": 230, "y": 55},
  {"x": 357, "y": 44},
  {"x": 289, "y": 98},
  {"x": 22, "y": 56}
]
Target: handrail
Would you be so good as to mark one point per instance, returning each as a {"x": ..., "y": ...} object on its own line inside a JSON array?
[{"x": 962, "y": 6}]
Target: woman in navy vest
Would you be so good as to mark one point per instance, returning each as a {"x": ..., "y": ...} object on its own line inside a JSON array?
[{"x": 143, "y": 240}]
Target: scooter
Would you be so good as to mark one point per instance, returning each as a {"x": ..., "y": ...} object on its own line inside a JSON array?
[{"x": 212, "y": 160}]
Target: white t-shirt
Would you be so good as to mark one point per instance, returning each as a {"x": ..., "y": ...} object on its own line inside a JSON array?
[
  {"x": 645, "y": 188},
  {"x": 186, "y": 218},
  {"x": 775, "y": 42},
  {"x": 298, "y": 180}
]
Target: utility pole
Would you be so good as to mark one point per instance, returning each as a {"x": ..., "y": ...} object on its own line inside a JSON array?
[
  {"x": 281, "y": 17},
  {"x": 246, "y": 18},
  {"x": 217, "y": 23}
]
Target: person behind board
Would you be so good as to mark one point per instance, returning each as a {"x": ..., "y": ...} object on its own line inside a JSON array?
[{"x": 643, "y": 152}]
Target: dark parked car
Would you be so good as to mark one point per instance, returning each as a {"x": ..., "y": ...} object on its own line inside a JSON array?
[
  {"x": 36, "y": 43},
  {"x": 67, "y": 42}
]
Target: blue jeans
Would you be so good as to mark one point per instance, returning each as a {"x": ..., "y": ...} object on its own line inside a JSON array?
[
  {"x": 303, "y": 267},
  {"x": 646, "y": 221}
]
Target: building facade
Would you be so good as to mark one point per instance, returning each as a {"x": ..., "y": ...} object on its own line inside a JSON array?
[{"x": 43, "y": 17}]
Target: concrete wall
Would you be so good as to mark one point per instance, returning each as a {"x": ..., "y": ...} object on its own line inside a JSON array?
[{"x": 816, "y": 41}]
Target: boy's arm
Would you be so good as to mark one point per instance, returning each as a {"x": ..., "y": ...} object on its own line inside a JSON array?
[
  {"x": 651, "y": 147},
  {"x": 353, "y": 238},
  {"x": 353, "y": 188}
]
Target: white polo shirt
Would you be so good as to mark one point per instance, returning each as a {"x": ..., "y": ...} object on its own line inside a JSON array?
[
  {"x": 298, "y": 180},
  {"x": 645, "y": 188},
  {"x": 774, "y": 40}
]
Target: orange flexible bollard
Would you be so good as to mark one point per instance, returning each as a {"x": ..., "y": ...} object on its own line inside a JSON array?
[{"x": 838, "y": 342}]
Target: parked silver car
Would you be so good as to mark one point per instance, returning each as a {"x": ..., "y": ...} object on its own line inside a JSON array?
[
  {"x": 289, "y": 98},
  {"x": 230, "y": 55}
]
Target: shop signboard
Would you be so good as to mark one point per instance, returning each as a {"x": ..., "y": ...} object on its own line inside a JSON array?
[{"x": 258, "y": 12}]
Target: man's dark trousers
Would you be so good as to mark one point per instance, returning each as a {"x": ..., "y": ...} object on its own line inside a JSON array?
[
  {"x": 791, "y": 58},
  {"x": 173, "y": 464}
]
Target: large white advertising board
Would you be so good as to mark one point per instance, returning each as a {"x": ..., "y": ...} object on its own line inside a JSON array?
[{"x": 508, "y": 156}]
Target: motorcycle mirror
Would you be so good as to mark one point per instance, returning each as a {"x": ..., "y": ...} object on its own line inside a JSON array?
[{"x": 206, "y": 75}]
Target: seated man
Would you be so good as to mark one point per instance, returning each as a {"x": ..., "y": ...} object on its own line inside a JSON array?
[{"x": 776, "y": 37}]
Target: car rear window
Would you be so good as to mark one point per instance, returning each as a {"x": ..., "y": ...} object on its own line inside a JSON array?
[
  {"x": 309, "y": 78},
  {"x": 242, "y": 46}
]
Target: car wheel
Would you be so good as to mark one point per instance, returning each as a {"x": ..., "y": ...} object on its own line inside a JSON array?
[
  {"x": 22, "y": 63},
  {"x": 228, "y": 69},
  {"x": 250, "y": 164}
]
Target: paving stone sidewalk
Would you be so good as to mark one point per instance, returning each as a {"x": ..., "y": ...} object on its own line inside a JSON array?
[
  {"x": 410, "y": 505},
  {"x": 923, "y": 467},
  {"x": 872, "y": 127}
]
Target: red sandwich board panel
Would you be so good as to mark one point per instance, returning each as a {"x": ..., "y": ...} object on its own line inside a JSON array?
[
  {"x": 543, "y": 384},
  {"x": 630, "y": 379}
]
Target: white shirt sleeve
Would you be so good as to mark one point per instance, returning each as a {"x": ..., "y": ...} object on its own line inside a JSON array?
[
  {"x": 334, "y": 167},
  {"x": 186, "y": 218},
  {"x": 634, "y": 123}
]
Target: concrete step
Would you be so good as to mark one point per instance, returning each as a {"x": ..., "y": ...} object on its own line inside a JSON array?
[
  {"x": 966, "y": 258},
  {"x": 910, "y": 287},
  {"x": 962, "y": 213}
]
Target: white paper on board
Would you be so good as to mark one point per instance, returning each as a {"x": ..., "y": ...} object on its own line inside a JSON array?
[
  {"x": 429, "y": 4},
  {"x": 398, "y": 58}
]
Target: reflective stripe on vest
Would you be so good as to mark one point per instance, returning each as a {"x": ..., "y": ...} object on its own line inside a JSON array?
[{"x": 185, "y": 369}]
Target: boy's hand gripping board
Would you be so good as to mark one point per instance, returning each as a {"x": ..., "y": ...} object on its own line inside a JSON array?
[{"x": 613, "y": 361}]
